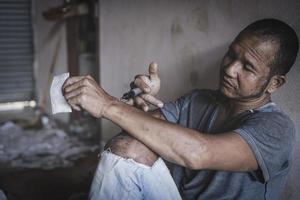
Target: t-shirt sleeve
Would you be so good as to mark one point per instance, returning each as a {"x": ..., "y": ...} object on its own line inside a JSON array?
[
  {"x": 270, "y": 136},
  {"x": 175, "y": 110}
]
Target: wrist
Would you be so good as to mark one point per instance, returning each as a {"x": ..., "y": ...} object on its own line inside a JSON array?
[{"x": 106, "y": 110}]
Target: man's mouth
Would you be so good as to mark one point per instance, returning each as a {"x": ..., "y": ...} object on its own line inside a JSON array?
[{"x": 227, "y": 83}]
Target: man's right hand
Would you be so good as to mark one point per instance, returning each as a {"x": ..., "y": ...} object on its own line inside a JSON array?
[{"x": 150, "y": 85}]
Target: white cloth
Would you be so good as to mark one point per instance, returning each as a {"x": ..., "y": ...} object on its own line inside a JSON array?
[
  {"x": 118, "y": 178},
  {"x": 58, "y": 101}
]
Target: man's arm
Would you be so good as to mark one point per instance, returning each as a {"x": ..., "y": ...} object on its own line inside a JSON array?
[
  {"x": 127, "y": 146},
  {"x": 183, "y": 146}
]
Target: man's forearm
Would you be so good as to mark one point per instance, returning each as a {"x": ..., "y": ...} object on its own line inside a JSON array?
[
  {"x": 172, "y": 142},
  {"x": 184, "y": 146}
]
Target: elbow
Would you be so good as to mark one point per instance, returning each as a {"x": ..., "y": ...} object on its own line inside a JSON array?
[
  {"x": 194, "y": 162},
  {"x": 198, "y": 160},
  {"x": 192, "y": 165}
]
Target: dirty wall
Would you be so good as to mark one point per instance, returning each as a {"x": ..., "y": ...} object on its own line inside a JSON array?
[{"x": 187, "y": 39}]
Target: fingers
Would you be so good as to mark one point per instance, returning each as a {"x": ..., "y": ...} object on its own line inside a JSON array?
[
  {"x": 73, "y": 88},
  {"x": 76, "y": 79},
  {"x": 74, "y": 101},
  {"x": 130, "y": 102},
  {"x": 77, "y": 83},
  {"x": 75, "y": 107},
  {"x": 141, "y": 103},
  {"x": 143, "y": 83},
  {"x": 72, "y": 95},
  {"x": 152, "y": 100},
  {"x": 153, "y": 72},
  {"x": 148, "y": 83},
  {"x": 72, "y": 80},
  {"x": 74, "y": 91},
  {"x": 76, "y": 87}
]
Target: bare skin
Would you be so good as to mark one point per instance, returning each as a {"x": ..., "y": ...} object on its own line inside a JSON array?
[
  {"x": 127, "y": 146},
  {"x": 245, "y": 82}
]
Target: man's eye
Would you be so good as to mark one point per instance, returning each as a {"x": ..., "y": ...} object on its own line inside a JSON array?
[{"x": 248, "y": 67}]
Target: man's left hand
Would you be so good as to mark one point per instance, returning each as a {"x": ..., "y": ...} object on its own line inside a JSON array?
[{"x": 83, "y": 92}]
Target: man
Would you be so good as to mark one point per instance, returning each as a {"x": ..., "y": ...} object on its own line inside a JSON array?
[{"x": 233, "y": 143}]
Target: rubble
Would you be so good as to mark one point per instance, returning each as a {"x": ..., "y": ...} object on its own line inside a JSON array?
[{"x": 46, "y": 148}]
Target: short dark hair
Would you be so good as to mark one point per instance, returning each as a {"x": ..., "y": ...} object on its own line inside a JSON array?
[{"x": 278, "y": 31}]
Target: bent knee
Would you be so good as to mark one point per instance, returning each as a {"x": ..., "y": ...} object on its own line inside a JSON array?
[{"x": 128, "y": 147}]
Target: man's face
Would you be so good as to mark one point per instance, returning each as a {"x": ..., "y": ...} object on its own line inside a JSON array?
[{"x": 245, "y": 70}]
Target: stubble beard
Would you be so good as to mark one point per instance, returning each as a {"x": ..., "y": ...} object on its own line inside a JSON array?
[{"x": 241, "y": 97}]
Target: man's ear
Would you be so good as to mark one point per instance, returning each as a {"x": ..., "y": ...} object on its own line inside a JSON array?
[{"x": 276, "y": 82}]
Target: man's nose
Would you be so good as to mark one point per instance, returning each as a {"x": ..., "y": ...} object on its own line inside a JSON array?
[{"x": 232, "y": 69}]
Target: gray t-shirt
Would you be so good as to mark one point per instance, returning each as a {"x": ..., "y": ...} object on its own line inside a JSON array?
[{"x": 269, "y": 132}]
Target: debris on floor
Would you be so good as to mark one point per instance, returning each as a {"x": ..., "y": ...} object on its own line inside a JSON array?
[{"x": 46, "y": 148}]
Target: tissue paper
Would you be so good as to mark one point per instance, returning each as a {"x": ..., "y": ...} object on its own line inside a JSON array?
[{"x": 58, "y": 101}]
